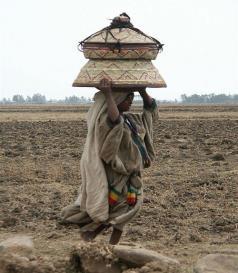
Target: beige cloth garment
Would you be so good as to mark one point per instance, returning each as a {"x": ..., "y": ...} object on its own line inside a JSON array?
[
  {"x": 93, "y": 197},
  {"x": 110, "y": 158}
]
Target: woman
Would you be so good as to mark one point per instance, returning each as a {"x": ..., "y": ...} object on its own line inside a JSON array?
[{"x": 118, "y": 146}]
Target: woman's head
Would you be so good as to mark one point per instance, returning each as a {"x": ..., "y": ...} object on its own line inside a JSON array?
[
  {"x": 123, "y": 96},
  {"x": 125, "y": 105}
]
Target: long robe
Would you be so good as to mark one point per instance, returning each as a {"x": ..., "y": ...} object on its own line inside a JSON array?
[{"x": 111, "y": 160}]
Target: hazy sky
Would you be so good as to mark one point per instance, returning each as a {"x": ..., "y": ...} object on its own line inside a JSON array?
[{"x": 38, "y": 43}]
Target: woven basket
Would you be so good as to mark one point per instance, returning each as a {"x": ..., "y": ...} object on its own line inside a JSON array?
[
  {"x": 133, "y": 45},
  {"x": 121, "y": 53},
  {"x": 122, "y": 73}
]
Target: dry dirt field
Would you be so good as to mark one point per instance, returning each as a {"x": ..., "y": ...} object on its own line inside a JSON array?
[{"x": 191, "y": 193}]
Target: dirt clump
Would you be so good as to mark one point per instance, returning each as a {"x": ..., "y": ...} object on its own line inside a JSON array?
[
  {"x": 94, "y": 258},
  {"x": 103, "y": 258},
  {"x": 17, "y": 254}
]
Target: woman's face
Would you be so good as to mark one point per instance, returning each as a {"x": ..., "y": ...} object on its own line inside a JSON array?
[{"x": 125, "y": 105}]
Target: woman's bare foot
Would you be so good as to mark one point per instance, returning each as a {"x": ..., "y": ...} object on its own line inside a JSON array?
[
  {"x": 115, "y": 237},
  {"x": 90, "y": 235}
]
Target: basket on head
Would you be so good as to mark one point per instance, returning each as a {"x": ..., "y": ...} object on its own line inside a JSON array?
[{"x": 122, "y": 53}]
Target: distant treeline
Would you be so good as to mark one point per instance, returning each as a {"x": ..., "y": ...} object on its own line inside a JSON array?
[
  {"x": 210, "y": 98},
  {"x": 195, "y": 99},
  {"x": 41, "y": 99}
]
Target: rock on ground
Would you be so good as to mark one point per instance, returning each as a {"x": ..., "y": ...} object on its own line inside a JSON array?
[
  {"x": 21, "y": 245},
  {"x": 17, "y": 256},
  {"x": 140, "y": 256},
  {"x": 217, "y": 263},
  {"x": 13, "y": 263},
  {"x": 155, "y": 267}
]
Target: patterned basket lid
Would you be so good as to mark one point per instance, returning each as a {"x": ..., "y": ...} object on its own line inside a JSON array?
[
  {"x": 120, "y": 40},
  {"x": 122, "y": 73}
]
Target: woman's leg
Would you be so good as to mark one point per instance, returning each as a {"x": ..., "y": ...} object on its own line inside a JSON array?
[{"x": 115, "y": 237}]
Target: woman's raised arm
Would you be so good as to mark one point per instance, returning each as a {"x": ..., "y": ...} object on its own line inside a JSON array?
[
  {"x": 147, "y": 100},
  {"x": 112, "y": 110}
]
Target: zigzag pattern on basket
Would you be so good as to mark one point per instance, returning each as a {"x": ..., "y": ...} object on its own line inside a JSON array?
[
  {"x": 145, "y": 54},
  {"x": 120, "y": 73}
]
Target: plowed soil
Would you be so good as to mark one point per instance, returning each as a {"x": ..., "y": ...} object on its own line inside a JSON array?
[{"x": 191, "y": 190}]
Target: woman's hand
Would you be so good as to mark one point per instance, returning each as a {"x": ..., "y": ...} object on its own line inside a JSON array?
[
  {"x": 142, "y": 91},
  {"x": 146, "y": 98},
  {"x": 105, "y": 85}
]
